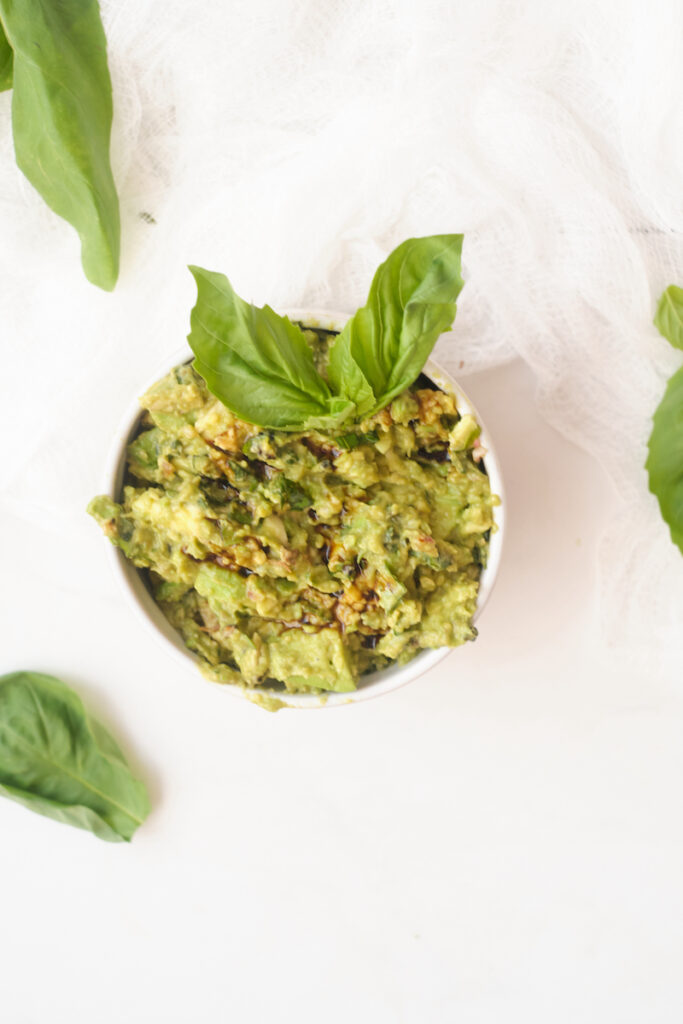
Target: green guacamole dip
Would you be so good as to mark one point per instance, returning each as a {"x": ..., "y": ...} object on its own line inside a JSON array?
[{"x": 303, "y": 560}]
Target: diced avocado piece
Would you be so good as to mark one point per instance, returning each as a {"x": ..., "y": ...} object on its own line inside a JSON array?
[
  {"x": 115, "y": 525},
  {"x": 140, "y": 540},
  {"x": 311, "y": 661},
  {"x": 389, "y": 590},
  {"x": 180, "y": 391},
  {"x": 364, "y": 532},
  {"x": 221, "y": 673},
  {"x": 222, "y": 587},
  {"x": 354, "y": 467},
  {"x": 448, "y": 505},
  {"x": 393, "y": 644},
  {"x": 161, "y": 458},
  {"x": 167, "y": 591},
  {"x": 144, "y": 453},
  {"x": 251, "y": 657},
  {"x": 103, "y": 509},
  {"x": 447, "y": 620},
  {"x": 230, "y": 594},
  {"x": 173, "y": 423},
  {"x": 181, "y": 615},
  {"x": 404, "y": 408},
  {"x": 322, "y": 579},
  {"x": 464, "y": 434}
]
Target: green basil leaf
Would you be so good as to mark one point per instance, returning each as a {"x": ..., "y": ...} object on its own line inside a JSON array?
[
  {"x": 665, "y": 460},
  {"x": 350, "y": 441},
  {"x": 61, "y": 120},
  {"x": 339, "y": 410},
  {"x": 6, "y": 61},
  {"x": 256, "y": 362},
  {"x": 347, "y": 378},
  {"x": 411, "y": 302},
  {"x": 669, "y": 315},
  {"x": 56, "y": 760}
]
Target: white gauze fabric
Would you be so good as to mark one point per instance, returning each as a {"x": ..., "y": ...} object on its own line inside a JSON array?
[{"x": 292, "y": 144}]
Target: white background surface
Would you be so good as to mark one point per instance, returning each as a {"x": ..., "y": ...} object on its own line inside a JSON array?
[{"x": 501, "y": 840}]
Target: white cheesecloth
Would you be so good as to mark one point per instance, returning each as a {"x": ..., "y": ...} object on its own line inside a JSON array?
[{"x": 292, "y": 144}]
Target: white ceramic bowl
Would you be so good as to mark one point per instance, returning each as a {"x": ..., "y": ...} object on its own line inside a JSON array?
[{"x": 372, "y": 685}]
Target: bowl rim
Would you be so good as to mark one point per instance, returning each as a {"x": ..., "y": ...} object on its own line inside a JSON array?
[{"x": 371, "y": 685}]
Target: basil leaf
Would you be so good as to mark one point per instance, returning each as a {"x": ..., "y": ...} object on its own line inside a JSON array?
[
  {"x": 411, "y": 302},
  {"x": 61, "y": 120},
  {"x": 256, "y": 362},
  {"x": 669, "y": 316},
  {"x": 350, "y": 441},
  {"x": 347, "y": 378},
  {"x": 665, "y": 459},
  {"x": 6, "y": 61},
  {"x": 56, "y": 760},
  {"x": 259, "y": 365}
]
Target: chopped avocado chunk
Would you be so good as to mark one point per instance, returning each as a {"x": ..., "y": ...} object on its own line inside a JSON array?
[{"x": 311, "y": 661}]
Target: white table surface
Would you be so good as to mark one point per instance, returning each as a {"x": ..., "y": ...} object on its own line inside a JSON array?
[{"x": 499, "y": 841}]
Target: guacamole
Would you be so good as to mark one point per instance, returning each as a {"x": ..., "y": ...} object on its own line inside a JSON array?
[{"x": 304, "y": 560}]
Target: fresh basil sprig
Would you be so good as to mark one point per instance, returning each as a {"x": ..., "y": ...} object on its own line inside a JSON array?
[
  {"x": 53, "y": 53},
  {"x": 260, "y": 366},
  {"x": 665, "y": 460},
  {"x": 57, "y": 760}
]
